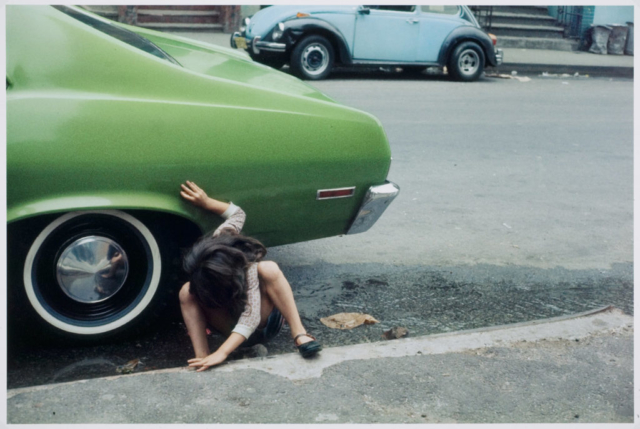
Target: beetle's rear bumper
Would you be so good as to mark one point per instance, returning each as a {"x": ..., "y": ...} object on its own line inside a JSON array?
[
  {"x": 499, "y": 56},
  {"x": 374, "y": 204}
]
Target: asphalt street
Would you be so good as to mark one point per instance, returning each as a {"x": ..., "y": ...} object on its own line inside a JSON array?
[
  {"x": 498, "y": 172},
  {"x": 516, "y": 204}
]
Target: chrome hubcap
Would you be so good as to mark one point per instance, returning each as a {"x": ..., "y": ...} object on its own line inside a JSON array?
[
  {"x": 315, "y": 59},
  {"x": 469, "y": 62},
  {"x": 92, "y": 269}
]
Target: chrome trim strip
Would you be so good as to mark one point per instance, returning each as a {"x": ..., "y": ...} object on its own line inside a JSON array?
[
  {"x": 350, "y": 188},
  {"x": 269, "y": 46},
  {"x": 374, "y": 204},
  {"x": 393, "y": 63}
]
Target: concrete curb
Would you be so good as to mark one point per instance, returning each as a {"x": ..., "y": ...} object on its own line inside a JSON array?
[
  {"x": 292, "y": 367},
  {"x": 592, "y": 71}
]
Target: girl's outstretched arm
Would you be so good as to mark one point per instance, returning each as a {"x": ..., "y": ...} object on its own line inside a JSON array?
[
  {"x": 192, "y": 193},
  {"x": 234, "y": 216}
]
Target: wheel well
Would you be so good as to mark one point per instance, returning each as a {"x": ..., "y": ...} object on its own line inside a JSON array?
[
  {"x": 335, "y": 44},
  {"x": 466, "y": 39}
]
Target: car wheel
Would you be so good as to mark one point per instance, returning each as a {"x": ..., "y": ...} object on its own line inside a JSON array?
[
  {"x": 312, "y": 58},
  {"x": 91, "y": 274},
  {"x": 466, "y": 62}
]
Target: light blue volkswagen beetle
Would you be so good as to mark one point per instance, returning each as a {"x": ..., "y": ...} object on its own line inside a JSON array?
[{"x": 312, "y": 39}]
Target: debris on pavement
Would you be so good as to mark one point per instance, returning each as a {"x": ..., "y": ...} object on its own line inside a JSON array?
[
  {"x": 395, "y": 333},
  {"x": 129, "y": 367},
  {"x": 499, "y": 75},
  {"x": 348, "y": 320},
  {"x": 564, "y": 75},
  {"x": 513, "y": 75}
]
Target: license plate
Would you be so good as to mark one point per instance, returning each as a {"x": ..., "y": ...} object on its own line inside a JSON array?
[{"x": 241, "y": 42}]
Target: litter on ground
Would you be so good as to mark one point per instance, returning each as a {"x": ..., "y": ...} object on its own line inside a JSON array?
[
  {"x": 395, "y": 333},
  {"x": 348, "y": 320}
]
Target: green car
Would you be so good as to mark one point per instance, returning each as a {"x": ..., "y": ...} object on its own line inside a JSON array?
[{"x": 105, "y": 121}]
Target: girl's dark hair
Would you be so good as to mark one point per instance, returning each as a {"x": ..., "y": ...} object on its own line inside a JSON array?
[{"x": 216, "y": 267}]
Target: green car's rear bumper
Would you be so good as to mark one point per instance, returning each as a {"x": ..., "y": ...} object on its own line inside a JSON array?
[{"x": 374, "y": 204}]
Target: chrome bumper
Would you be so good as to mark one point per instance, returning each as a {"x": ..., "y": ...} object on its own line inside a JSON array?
[
  {"x": 375, "y": 202},
  {"x": 233, "y": 36},
  {"x": 258, "y": 46},
  {"x": 499, "y": 56}
]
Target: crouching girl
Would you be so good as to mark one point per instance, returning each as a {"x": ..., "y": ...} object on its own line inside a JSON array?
[{"x": 232, "y": 290}]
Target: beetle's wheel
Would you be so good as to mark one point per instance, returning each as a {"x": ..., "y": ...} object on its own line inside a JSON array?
[
  {"x": 466, "y": 62},
  {"x": 469, "y": 62},
  {"x": 92, "y": 273},
  {"x": 312, "y": 58}
]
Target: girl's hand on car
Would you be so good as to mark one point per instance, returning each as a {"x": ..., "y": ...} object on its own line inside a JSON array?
[
  {"x": 192, "y": 193},
  {"x": 215, "y": 358}
]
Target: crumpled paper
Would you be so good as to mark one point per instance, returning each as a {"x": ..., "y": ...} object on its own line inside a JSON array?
[{"x": 348, "y": 320}]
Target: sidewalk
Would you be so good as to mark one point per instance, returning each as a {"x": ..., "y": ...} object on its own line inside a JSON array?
[
  {"x": 536, "y": 61},
  {"x": 575, "y": 369},
  {"x": 524, "y": 61}
]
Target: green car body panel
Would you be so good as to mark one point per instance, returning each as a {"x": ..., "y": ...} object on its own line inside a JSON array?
[{"x": 95, "y": 123}]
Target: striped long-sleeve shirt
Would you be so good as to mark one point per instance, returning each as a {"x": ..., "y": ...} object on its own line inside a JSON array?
[{"x": 250, "y": 318}]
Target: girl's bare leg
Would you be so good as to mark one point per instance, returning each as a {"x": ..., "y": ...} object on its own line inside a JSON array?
[
  {"x": 277, "y": 288},
  {"x": 194, "y": 318}
]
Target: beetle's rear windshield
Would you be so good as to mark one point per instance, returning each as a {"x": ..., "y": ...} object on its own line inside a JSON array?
[{"x": 119, "y": 33}]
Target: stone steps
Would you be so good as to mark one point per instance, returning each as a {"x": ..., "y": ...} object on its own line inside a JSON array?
[
  {"x": 525, "y": 27},
  {"x": 187, "y": 19},
  {"x": 180, "y": 26},
  {"x": 522, "y": 19},
  {"x": 518, "y": 30},
  {"x": 537, "y": 43},
  {"x": 182, "y": 18},
  {"x": 529, "y": 10}
]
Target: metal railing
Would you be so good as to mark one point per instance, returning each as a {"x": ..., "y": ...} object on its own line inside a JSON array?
[
  {"x": 570, "y": 17},
  {"x": 484, "y": 15}
]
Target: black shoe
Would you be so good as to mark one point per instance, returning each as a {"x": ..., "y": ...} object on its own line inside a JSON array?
[{"x": 309, "y": 349}]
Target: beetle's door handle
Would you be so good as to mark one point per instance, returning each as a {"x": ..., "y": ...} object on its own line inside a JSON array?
[{"x": 412, "y": 21}]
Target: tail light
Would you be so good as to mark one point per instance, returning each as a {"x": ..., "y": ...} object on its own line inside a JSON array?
[
  {"x": 494, "y": 39},
  {"x": 327, "y": 194}
]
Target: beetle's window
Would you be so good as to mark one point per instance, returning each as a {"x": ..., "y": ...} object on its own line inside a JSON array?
[
  {"x": 395, "y": 8},
  {"x": 119, "y": 33},
  {"x": 446, "y": 10}
]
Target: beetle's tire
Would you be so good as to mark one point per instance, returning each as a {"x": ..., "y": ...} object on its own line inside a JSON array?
[
  {"x": 68, "y": 287},
  {"x": 466, "y": 62},
  {"x": 312, "y": 58}
]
